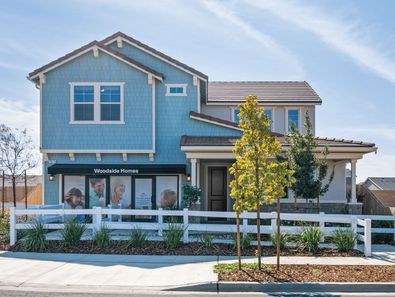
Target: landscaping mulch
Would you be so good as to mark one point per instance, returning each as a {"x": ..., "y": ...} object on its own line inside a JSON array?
[
  {"x": 313, "y": 273},
  {"x": 159, "y": 248}
]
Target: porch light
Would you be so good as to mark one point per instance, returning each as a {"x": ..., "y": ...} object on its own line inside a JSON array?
[
  {"x": 188, "y": 177},
  {"x": 52, "y": 178}
]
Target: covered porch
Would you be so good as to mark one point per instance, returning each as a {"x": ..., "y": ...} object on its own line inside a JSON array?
[{"x": 211, "y": 156}]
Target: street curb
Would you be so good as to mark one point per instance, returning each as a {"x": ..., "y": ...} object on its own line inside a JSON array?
[{"x": 306, "y": 287}]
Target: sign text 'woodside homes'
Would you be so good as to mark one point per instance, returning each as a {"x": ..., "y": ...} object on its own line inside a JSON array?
[{"x": 115, "y": 171}]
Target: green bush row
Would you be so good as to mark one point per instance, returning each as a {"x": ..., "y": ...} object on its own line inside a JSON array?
[{"x": 308, "y": 239}]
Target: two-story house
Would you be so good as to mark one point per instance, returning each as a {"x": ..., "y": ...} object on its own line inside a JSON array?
[{"x": 123, "y": 124}]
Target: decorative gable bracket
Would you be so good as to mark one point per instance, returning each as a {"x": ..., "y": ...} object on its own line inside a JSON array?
[{"x": 150, "y": 79}]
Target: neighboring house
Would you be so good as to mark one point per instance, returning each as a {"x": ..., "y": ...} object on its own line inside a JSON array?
[
  {"x": 379, "y": 195},
  {"x": 124, "y": 124},
  {"x": 33, "y": 189}
]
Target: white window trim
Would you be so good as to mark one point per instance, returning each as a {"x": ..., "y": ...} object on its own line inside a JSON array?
[
  {"x": 184, "y": 86},
  {"x": 271, "y": 108},
  {"x": 286, "y": 118},
  {"x": 96, "y": 102}
]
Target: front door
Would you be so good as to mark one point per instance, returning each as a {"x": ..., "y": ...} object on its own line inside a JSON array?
[{"x": 217, "y": 188}]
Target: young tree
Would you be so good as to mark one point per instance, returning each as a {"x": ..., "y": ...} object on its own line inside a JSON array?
[
  {"x": 237, "y": 207},
  {"x": 17, "y": 154},
  {"x": 261, "y": 178},
  {"x": 310, "y": 172}
]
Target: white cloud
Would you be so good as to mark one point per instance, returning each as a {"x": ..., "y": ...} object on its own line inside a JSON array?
[
  {"x": 269, "y": 43},
  {"x": 373, "y": 132},
  {"x": 16, "y": 114},
  {"x": 348, "y": 37},
  {"x": 376, "y": 165}
]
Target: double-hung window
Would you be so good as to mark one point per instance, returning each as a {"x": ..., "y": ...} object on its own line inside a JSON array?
[
  {"x": 110, "y": 103},
  {"x": 84, "y": 103},
  {"x": 96, "y": 103},
  {"x": 293, "y": 118}
]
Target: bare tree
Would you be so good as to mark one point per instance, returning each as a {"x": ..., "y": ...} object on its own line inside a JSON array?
[{"x": 17, "y": 154}]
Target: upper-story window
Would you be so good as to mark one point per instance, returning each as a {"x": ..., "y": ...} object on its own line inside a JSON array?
[
  {"x": 96, "y": 103},
  {"x": 292, "y": 118},
  {"x": 267, "y": 112},
  {"x": 176, "y": 89}
]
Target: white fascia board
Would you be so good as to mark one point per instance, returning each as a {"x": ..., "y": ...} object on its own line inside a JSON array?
[
  {"x": 86, "y": 51},
  {"x": 79, "y": 151},
  {"x": 156, "y": 56},
  {"x": 214, "y": 123},
  {"x": 230, "y": 103}
]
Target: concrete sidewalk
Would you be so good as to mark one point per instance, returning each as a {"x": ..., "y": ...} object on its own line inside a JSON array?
[{"x": 122, "y": 271}]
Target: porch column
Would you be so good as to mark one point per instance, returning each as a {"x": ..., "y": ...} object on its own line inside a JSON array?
[
  {"x": 353, "y": 181},
  {"x": 193, "y": 172},
  {"x": 198, "y": 173}
]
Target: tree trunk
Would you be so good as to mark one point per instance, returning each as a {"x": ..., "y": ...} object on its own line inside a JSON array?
[
  {"x": 258, "y": 235},
  {"x": 14, "y": 189},
  {"x": 238, "y": 239},
  {"x": 278, "y": 235},
  {"x": 3, "y": 195}
]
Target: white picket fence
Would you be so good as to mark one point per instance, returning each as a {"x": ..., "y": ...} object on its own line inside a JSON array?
[{"x": 209, "y": 222}]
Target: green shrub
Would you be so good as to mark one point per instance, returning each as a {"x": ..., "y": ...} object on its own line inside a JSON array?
[
  {"x": 137, "y": 238},
  {"x": 102, "y": 237},
  {"x": 245, "y": 241},
  {"x": 207, "y": 241},
  {"x": 34, "y": 238},
  {"x": 344, "y": 239},
  {"x": 173, "y": 235},
  {"x": 309, "y": 239},
  {"x": 72, "y": 232},
  {"x": 284, "y": 239}
]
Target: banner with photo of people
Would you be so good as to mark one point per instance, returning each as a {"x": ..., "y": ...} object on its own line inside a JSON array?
[
  {"x": 120, "y": 192},
  {"x": 74, "y": 192},
  {"x": 166, "y": 192},
  {"x": 97, "y": 192}
]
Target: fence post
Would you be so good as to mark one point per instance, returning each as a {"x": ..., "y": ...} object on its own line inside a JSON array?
[
  {"x": 322, "y": 225},
  {"x": 98, "y": 221},
  {"x": 185, "y": 223},
  {"x": 160, "y": 222},
  {"x": 368, "y": 237},
  {"x": 245, "y": 223},
  {"x": 273, "y": 222},
  {"x": 12, "y": 226},
  {"x": 354, "y": 229}
]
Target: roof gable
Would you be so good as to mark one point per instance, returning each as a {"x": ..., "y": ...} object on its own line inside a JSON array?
[
  {"x": 94, "y": 45},
  {"x": 146, "y": 48}
]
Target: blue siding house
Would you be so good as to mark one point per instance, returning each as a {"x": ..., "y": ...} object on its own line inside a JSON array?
[{"x": 124, "y": 125}]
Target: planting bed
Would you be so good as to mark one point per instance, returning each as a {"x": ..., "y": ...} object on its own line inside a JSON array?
[
  {"x": 159, "y": 248},
  {"x": 307, "y": 273}
]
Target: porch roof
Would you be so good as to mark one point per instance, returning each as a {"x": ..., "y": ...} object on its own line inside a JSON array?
[
  {"x": 231, "y": 140},
  {"x": 222, "y": 147}
]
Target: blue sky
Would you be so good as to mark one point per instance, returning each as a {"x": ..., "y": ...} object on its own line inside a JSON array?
[{"x": 344, "y": 49}]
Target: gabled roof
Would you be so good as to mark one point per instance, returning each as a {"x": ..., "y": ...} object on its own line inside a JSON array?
[
  {"x": 86, "y": 48},
  {"x": 383, "y": 183},
  {"x": 286, "y": 92},
  {"x": 153, "y": 52}
]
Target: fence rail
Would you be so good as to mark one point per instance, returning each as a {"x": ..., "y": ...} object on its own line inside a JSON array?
[{"x": 195, "y": 222}]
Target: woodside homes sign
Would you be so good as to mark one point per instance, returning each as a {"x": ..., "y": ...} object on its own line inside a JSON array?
[{"x": 117, "y": 169}]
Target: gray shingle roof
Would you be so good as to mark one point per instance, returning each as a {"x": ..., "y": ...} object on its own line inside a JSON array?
[
  {"x": 385, "y": 183},
  {"x": 266, "y": 91}
]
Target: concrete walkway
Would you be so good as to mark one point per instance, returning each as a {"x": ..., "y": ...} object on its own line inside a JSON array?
[{"x": 156, "y": 272}]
